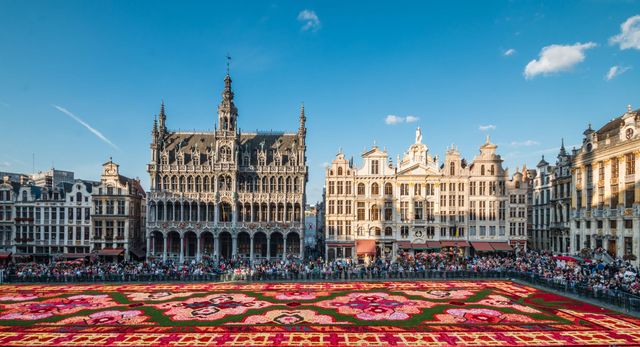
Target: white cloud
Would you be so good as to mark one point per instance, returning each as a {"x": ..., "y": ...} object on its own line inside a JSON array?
[
  {"x": 509, "y": 52},
  {"x": 83, "y": 123},
  {"x": 310, "y": 20},
  {"x": 629, "y": 36},
  {"x": 411, "y": 119},
  {"x": 487, "y": 127},
  {"x": 556, "y": 58},
  {"x": 392, "y": 119},
  {"x": 525, "y": 143},
  {"x": 615, "y": 71}
]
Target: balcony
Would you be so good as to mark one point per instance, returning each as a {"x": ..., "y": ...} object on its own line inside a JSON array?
[{"x": 339, "y": 238}]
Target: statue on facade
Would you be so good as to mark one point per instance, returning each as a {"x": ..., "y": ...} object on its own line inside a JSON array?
[{"x": 418, "y": 135}]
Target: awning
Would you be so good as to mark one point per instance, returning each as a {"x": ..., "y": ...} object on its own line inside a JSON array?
[
  {"x": 111, "y": 251},
  {"x": 139, "y": 253},
  {"x": 482, "y": 246},
  {"x": 433, "y": 244},
  {"x": 461, "y": 243},
  {"x": 404, "y": 244},
  {"x": 419, "y": 246},
  {"x": 366, "y": 247},
  {"x": 339, "y": 244},
  {"x": 73, "y": 255},
  {"x": 5, "y": 255},
  {"x": 501, "y": 246}
]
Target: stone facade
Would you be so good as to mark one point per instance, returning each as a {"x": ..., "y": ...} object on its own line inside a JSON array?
[
  {"x": 551, "y": 203},
  {"x": 379, "y": 209},
  {"x": 118, "y": 214},
  {"x": 225, "y": 193},
  {"x": 605, "y": 192}
]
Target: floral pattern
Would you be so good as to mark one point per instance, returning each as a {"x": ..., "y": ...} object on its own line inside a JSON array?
[
  {"x": 211, "y": 307},
  {"x": 480, "y": 316},
  {"x": 132, "y": 317},
  {"x": 503, "y": 302},
  {"x": 54, "y": 307},
  {"x": 296, "y": 295},
  {"x": 293, "y": 317},
  {"x": 157, "y": 296},
  {"x": 458, "y": 294},
  {"x": 376, "y": 306}
]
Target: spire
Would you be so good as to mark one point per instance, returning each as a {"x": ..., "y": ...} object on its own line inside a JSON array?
[
  {"x": 303, "y": 118},
  {"x": 563, "y": 151},
  {"x": 227, "y": 111},
  {"x": 154, "y": 131},
  {"x": 162, "y": 118}
]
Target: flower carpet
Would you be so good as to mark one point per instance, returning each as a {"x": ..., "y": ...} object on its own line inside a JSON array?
[{"x": 416, "y": 313}]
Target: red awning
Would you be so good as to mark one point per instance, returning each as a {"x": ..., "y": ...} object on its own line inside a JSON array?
[
  {"x": 366, "y": 247},
  {"x": 111, "y": 251},
  {"x": 419, "y": 246},
  {"x": 433, "y": 244},
  {"x": 461, "y": 243},
  {"x": 339, "y": 244},
  {"x": 482, "y": 246},
  {"x": 404, "y": 244},
  {"x": 5, "y": 255},
  {"x": 501, "y": 246},
  {"x": 73, "y": 255}
]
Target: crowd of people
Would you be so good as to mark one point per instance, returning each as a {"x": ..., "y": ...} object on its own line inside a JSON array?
[{"x": 613, "y": 276}]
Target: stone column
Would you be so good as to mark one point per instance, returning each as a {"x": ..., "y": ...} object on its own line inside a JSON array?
[
  {"x": 148, "y": 245},
  {"x": 301, "y": 248},
  {"x": 165, "y": 246},
  {"x": 268, "y": 246},
  {"x": 181, "y": 248},
  {"x": 215, "y": 247},
  {"x": 234, "y": 246},
  {"x": 198, "y": 252},
  {"x": 251, "y": 250},
  {"x": 215, "y": 213},
  {"x": 284, "y": 246}
]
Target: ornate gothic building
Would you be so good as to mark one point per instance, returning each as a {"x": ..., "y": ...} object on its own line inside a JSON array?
[{"x": 225, "y": 193}]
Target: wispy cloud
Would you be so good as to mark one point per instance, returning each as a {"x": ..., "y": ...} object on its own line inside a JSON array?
[
  {"x": 509, "y": 52},
  {"x": 556, "y": 58},
  {"x": 310, "y": 20},
  {"x": 487, "y": 127},
  {"x": 629, "y": 36},
  {"x": 86, "y": 125},
  {"x": 525, "y": 143},
  {"x": 392, "y": 119},
  {"x": 616, "y": 71}
]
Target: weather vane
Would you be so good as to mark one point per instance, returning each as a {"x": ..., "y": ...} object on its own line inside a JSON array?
[{"x": 228, "y": 62}]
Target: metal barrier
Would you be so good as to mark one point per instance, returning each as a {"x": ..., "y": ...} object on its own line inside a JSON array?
[{"x": 623, "y": 300}]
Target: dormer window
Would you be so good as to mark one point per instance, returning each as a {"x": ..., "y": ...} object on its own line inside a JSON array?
[{"x": 165, "y": 159}]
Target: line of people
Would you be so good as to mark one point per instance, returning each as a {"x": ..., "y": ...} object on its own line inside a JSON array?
[{"x": 618, "y": 275}]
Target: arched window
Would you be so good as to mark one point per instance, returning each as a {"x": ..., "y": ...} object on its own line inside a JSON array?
[
  {"x": 205, "y": 184},
  {"x": 181, "y": 183},
  {"x": 289, "y": 190},
  {"x": 78, "y": 197},
  {"x": 388, "y": 232},
  {"x": 224, "y": 154},
  {"x": 174, "y": 183},
  {"x": 452, "y": 169},
  {"x": 280, "y": 184},
  {"x": 339, "y": 171},
  {"x": 189, "y": 184},
  {"x": 374, "y": 213},
  {"x": 360, "y": 188},
  {"x": 165, "y": 183},
  {"x": 388, "y": 189},
  {"x": 375, "y": 190},
  {"x": 492, "y": 170},
  {"x": 482, "y": 170},
  {"x": 165, "y": 159},
  {"x": 296, "y": 185},
  {"x": 272, "y": 185},
  {"x": 263, "y": 185}
]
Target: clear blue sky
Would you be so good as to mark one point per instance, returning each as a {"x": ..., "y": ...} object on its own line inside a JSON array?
[{"x": 455, "y": 66}]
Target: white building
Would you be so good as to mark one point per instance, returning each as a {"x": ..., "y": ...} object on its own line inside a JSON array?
[
  {"x": 378, "y": 209},
  {"x": 605, "y": 206}
]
